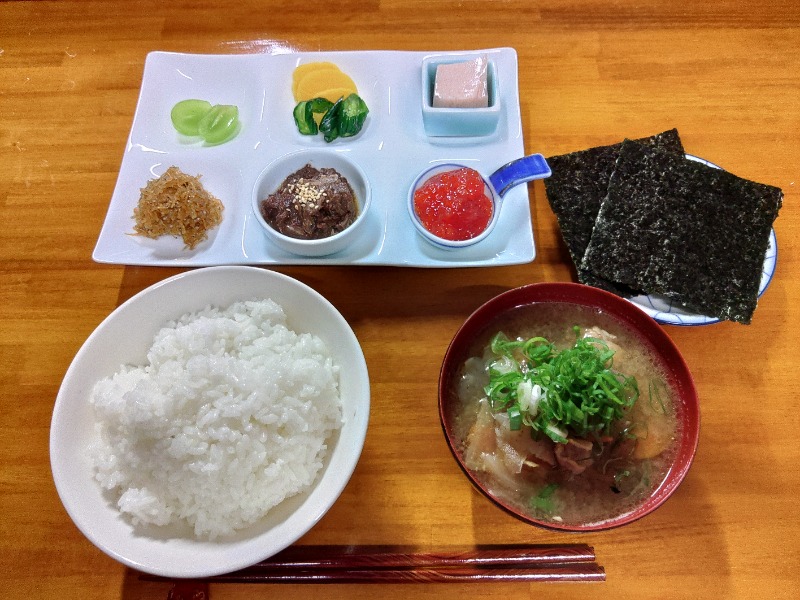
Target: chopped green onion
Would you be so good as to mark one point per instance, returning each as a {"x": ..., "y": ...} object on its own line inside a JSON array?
[
  {"x": 656, "y": 401},
  {"x": 556, "y": 434},
  {"x": 579, "y": 393},
  {"x": 543, "y": 501},
  {"x": 619, "y": 477},
  {"x": 514, "y": 417}
]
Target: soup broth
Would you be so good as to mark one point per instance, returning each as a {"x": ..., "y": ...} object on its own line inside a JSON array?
[{"x": 584, "y": 478}]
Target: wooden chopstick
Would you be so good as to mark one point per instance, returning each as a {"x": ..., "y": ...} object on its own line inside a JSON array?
[
  {"x": 574, "y": 572},
  {"x": 355, "y": 557},
  {"x": 404, "y": 564}
]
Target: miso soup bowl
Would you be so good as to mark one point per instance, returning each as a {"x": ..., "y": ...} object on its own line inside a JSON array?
[
  {"x": 271, "y": 178},
  {"x": 480, "y": 323}
]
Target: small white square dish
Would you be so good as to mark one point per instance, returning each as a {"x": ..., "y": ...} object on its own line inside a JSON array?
[{"x": 457, "y": 121}]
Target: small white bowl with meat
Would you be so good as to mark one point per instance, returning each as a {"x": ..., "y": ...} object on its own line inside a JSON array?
[{"x": 312, "y": 202}]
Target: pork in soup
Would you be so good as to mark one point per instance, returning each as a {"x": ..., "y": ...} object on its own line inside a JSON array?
[{"x": 566, "y": 414}]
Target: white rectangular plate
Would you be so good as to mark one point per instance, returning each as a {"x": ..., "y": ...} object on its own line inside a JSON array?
[{"x": 392, "y": 149}]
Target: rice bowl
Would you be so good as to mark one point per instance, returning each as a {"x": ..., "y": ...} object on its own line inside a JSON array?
[
  {"x": 173, "y": 549},
  {"x": 229, "y": 400}
]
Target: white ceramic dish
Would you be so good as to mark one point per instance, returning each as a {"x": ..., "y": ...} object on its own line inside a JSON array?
[
  {"x": 124, "y": 337},
  {"x": 458, "y": 121},
  {"x": 392, "y": 149},
  {"x": 666, "y": 312}
]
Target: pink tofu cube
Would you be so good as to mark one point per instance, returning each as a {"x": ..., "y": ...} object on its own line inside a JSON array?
[{"x": 461, "y": 85}]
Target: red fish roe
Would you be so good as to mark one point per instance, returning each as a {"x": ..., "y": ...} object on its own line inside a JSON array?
[{"x": 453, "y": 205}]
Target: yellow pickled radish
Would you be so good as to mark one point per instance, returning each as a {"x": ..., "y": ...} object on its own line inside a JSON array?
[
  {"x": 316, "y": 81},
  {"x": 302, "y": 70}
]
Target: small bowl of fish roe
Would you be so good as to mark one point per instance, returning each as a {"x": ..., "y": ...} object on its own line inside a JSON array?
[
  {"x": 209, "y": 421},
  {"x": 452, "y": 206},
  {"x": 568, "y": 407},
  {"x": 312, "y": 202}
]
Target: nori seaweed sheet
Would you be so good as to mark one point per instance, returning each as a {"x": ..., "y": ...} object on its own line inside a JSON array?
[
  {"x": 691, "y": 232},
  {"x": 576, "y": 189}
]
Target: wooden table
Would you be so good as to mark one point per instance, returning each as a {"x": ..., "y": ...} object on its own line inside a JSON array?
[{"x": 726, "y": 74}]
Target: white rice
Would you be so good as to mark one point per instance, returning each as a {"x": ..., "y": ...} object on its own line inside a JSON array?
[{"x": 230, "y": 416}]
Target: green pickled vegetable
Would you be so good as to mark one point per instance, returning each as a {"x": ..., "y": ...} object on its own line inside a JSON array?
[
  {"x": 319, "y": 106},
  {"x": 558, "y": 393},
  {"x": 329, "y": 126},
  {"x": 186, "y": 115},
  {"x": 352, "y": 114},
  {"x": 343, "y": 118},
  {"x": 304, "y": 114},
  {"x": 219, "y": 124},
  {"x": 198, "y": 118},
  {"x": 304, "y": 118}
]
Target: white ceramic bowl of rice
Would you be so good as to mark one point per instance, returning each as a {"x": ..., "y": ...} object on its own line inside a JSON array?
[{"x": 256, "y": 390}]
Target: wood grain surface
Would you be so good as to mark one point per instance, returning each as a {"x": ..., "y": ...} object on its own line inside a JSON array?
[{"x": 725, "y": 73}]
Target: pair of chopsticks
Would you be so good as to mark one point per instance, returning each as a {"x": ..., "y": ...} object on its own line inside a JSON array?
[{"x": 397, "y": 564}]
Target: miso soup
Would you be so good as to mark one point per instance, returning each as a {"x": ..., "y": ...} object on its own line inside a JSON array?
[{"x": 543, "y": 436}]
